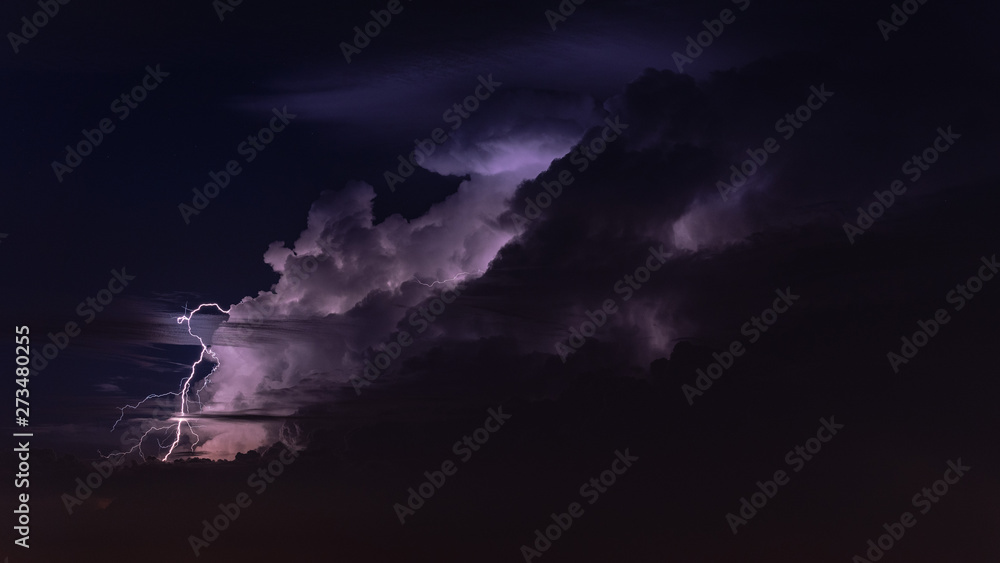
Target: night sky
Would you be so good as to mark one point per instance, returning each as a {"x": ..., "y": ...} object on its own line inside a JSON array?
[{"x": 501, "y": 281}]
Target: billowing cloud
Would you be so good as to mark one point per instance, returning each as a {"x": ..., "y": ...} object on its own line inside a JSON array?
[
  {"x": 347, "y": 282},
  {"x": 639, "y": 223}
]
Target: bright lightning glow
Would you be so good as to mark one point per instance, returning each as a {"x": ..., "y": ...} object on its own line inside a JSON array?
[
  {"x": 433, "y": 283},
  {"x": 175, "y": 429},
  {"x": 183, "y": 418}
]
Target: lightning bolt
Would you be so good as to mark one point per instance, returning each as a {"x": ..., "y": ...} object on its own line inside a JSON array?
[
  {"x": 185, "y": 391},
  {"x": 458, "y": 275}
]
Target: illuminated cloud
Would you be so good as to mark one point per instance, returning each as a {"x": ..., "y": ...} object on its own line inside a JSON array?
[{"x": 347, "y": 282}]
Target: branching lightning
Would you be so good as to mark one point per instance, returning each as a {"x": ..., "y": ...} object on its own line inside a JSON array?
[
  {"x": 189, "y": 395},
  {"x": 183, "y": 418},
  {"x": 458, "y": 275}
]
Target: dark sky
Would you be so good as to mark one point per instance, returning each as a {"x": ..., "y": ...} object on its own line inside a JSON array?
[{"x": 611, "y": 213}]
